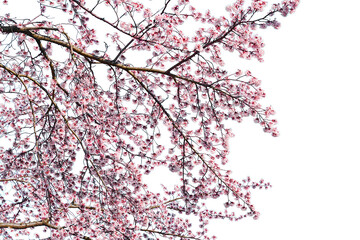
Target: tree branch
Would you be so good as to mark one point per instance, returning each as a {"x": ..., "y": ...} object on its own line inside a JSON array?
[{"x": 45, "y": 222}]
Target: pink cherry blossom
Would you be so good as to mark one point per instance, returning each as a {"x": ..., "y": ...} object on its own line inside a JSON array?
[{"x": 100, "y": 95}]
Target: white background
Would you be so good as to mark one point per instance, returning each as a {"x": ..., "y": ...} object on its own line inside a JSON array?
[{"x": 311, "y": 77}]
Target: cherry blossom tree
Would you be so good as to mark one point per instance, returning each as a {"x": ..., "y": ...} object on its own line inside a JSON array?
[{"x": 97, "y": 94}]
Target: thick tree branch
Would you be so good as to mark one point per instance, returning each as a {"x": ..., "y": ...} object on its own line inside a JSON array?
[{"x": 45, "y": 222}]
